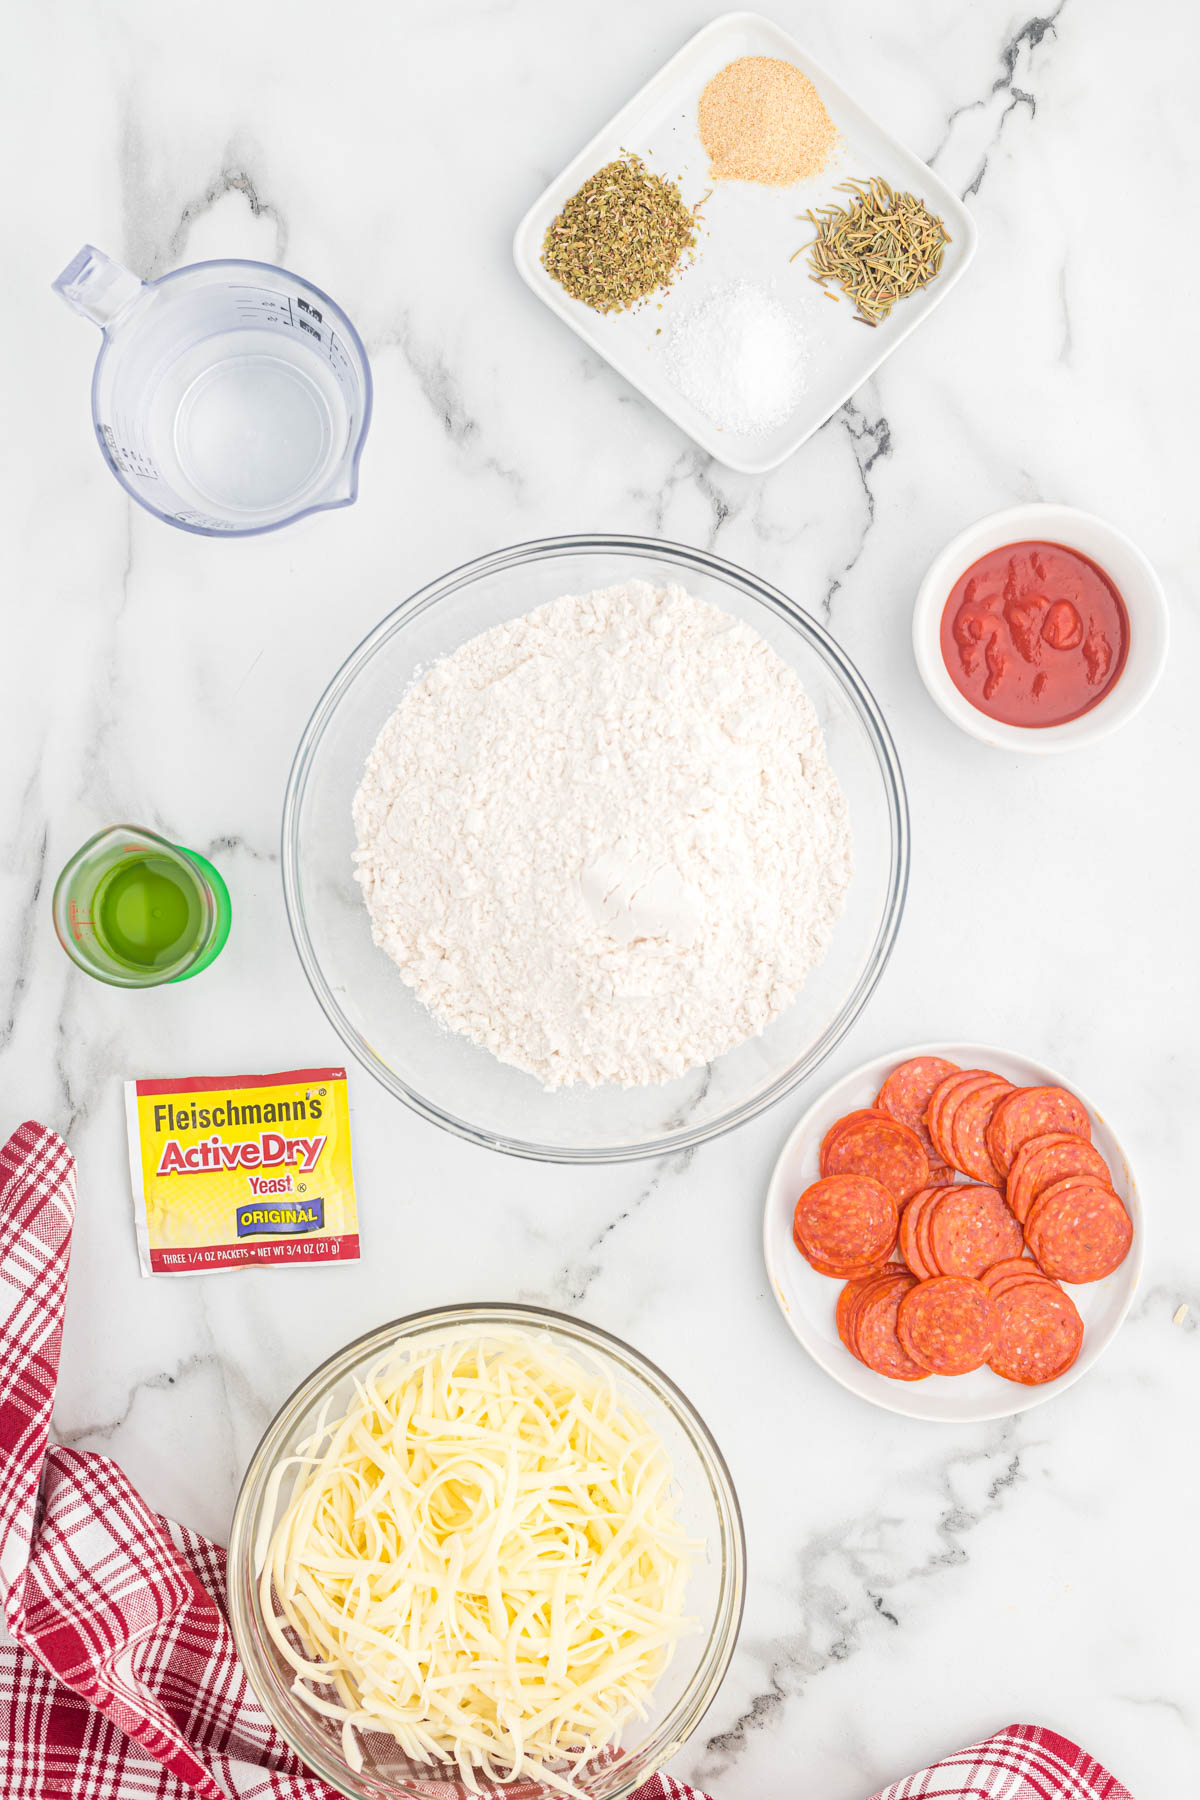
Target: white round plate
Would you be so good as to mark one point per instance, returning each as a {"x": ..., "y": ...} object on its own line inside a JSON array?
[{"x": 807, "y": 1299}]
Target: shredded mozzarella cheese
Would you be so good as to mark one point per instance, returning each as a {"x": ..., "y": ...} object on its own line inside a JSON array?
[{"x": 481, "y": 1558}]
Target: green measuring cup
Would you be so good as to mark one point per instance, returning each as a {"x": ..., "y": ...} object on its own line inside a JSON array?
[{"x": 135, "y": 911}]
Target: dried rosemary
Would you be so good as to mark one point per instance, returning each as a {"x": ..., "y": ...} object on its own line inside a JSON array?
[
  {"x": 879, "y": 249},
  {"x": 621, "y": 237}
]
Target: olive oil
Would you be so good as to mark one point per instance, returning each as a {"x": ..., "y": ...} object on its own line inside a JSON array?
[
  {"x": 148, "y": 912},
  {"x": 134, "y": 910}
]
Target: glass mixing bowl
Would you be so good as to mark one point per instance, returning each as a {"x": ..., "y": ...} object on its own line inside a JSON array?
[
  {"x": 458, "y": 1084},
  {"x": 708, "y": 1511}
]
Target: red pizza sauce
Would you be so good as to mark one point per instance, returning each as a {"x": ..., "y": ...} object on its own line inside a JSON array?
[{"x": 1034, "y": 634}]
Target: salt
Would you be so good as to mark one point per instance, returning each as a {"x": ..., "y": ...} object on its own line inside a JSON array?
[{"x": 739, "y": 357}]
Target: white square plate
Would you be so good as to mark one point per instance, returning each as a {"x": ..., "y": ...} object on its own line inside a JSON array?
[
  {"x": 748, "y": 231},
  {"x": 807, "y": 1300}
]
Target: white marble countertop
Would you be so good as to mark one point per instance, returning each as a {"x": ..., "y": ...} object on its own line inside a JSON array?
[{"x": 911, "y": 1586}]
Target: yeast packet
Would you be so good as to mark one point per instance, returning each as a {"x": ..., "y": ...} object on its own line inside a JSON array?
[{"x": 231, "y": 1171}]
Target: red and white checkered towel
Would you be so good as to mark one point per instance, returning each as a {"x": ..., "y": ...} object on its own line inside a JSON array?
[{"x": 121, "y": 1681}]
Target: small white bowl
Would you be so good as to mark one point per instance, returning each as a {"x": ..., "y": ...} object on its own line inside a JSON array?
[{"x": 1122, "y": 561}]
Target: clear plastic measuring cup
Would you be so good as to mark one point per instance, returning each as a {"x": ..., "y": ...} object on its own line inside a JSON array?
[{"x": 228, "y": 397}]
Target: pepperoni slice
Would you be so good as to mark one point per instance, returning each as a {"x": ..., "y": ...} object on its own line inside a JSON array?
[
  {"x": 1012, "y": 1265},
  {"x": 883, "y": 1278},
  {"x": 840, "y": 1125},
  {"x": 947, "y": 1325},
  {"x": 882, "y": 1148},
  {"x": 924, "y": 1247},
  {"x": 1014, "y": 1272},
  {"x": 1079, "y": 1230},
  {"x": 1032, "y": 1113},
  {"x": 845, "y": 1301},
  {"x": 1045, "y": 1160},
  {"x": 844, "y": 1224},
  {"x": 943, "y": 1094},
  {"x": 841, "y": 1271},
  {"x": 875, "y": 1330},
  {"x": 909, "y": 1234},
  {"x": 1007, "y": 1282},
  {"x": 1038, "y": 1333},
  {"x": 915, "y": 1235},
  {"x": 972, "y": 1229},
  {"x": 952, "y": 1095},
  {"x": 909, "y": 1088},
  {"x": 968, "y": 1123}
]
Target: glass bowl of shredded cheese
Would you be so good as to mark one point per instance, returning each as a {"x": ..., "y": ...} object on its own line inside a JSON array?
[
  {"x": 486, "y": 1550},
  {"x": 782, "y": 981}
]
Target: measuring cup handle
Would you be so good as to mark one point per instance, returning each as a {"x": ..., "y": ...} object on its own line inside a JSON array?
[{"x": 99, "y": 288}]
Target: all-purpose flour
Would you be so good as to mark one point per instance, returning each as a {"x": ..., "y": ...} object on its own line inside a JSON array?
[{"x": 603, "y": 839}]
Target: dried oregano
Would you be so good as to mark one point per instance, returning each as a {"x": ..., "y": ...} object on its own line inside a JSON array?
[{"x": 621, "y": 237}]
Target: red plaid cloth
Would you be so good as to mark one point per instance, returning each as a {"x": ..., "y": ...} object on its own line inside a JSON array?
[
  {"x": 121, "y": 1681},
  {"x": 1023, "y": 1762}
]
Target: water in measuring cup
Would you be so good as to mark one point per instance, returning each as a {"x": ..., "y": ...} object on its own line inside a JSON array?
[
  {"x": 228, "y": 397},
  {"x": 238, "y": 425}
]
